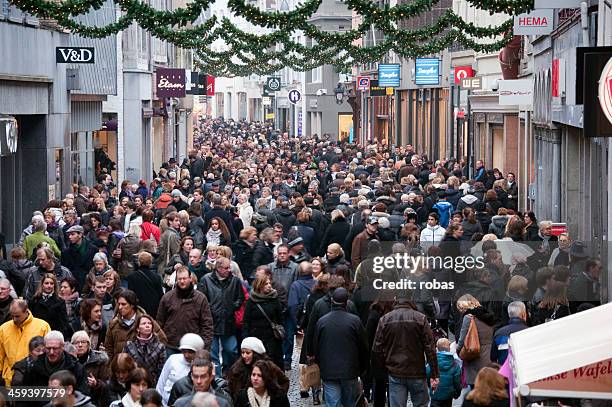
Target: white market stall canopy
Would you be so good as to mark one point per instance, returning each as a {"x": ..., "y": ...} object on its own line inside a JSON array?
[{"x": 569, "y": 357}]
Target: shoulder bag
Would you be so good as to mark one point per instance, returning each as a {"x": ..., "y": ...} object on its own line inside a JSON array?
[
  {"x": 471, "y": 344},
  {"x": 277, "y": 329}
]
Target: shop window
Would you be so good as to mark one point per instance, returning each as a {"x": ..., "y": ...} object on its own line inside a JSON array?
[{"x": 82, "y": 154}]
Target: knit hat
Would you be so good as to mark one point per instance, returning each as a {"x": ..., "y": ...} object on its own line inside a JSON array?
[
  {"x": 254, "y": 344},
  {"x": 191, "y": 342}
]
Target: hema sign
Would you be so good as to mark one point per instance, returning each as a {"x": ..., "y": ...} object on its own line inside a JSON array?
[
  {"x": 389, "y": 75},
  {"x": 537, "y": 22},
  {"x": 75, "y": 55}
]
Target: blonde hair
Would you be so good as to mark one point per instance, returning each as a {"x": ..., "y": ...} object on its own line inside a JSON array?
[
  {"x": 518, "y": 284},
  {"x": 467, "y": 302}
]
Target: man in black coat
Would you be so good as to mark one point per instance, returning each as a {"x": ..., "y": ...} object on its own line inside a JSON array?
[
  {"x": 340, "y": 329},
  {"x": 53, "y": 360},
  {"x": 197, "y": 164},
  {"x": 218, "y": 212},
  {"x": 78, "y": 256},
  {"x": 147, "y": 284},
  {"x": 225, "y": 296}
]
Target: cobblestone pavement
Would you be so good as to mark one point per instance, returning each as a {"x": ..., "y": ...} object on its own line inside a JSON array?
[{"x": 294, "y": 377}]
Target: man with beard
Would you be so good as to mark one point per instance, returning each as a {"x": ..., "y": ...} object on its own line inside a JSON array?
[{"x": 185, "y": 310}]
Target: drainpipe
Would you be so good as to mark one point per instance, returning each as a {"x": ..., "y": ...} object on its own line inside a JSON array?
[{"x": 584, "y": 22}]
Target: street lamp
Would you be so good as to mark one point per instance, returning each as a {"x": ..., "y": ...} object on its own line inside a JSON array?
[{"x": 339, "y": 93}]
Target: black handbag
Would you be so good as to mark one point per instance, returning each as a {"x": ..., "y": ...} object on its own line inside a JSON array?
[{"x": 277, "y": 329}]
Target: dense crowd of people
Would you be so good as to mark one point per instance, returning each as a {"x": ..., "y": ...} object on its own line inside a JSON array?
[{"x": 192, "y": 289}]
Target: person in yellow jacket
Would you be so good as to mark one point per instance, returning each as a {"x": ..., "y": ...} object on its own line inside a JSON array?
[{"x": 15, "y": 336}]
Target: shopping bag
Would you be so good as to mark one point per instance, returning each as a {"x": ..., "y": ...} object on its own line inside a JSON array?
[{"x": 310, "y": 376}]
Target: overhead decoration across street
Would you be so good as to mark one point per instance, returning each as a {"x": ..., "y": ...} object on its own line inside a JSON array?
[{"x": 275, "y": 48}]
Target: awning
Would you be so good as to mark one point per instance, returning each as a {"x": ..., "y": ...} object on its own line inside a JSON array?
[{"x": 569, "y": 357}]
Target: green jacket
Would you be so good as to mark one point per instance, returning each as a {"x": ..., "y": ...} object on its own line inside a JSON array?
[{"x": 33, "y": 240}]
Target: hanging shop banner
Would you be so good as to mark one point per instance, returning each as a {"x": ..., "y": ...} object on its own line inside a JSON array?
[
  {"x": 363, "y": 82},
  {"x": 605, "y": 90},
  {"x": 474, "y": 83},
  {"x": 463, "y": 72},
  {"x": 198, "y": 84},
  {"x": 376, "y": 90},
  {"x": 170, "y": 83},
  {"x": 517, "y": 92},
  {"x": 210, "y": 85},
  {"x": 597, "y": 82},
  {"x": 556, "y": 4},
  {"x": 427, "y": 71},
  {"x": 389, "y": 75},
  {"x": 537, "y": 22}
]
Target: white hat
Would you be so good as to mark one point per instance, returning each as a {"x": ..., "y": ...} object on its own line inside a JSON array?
[
  {"x": 254, "y": 344},
  {"x": 191, "y": 342},
  {"x": 383, "y": 222}
]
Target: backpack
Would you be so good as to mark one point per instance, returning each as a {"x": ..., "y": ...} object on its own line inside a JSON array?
[
  {"x": 300, "y": 315},
  {"x": 445, "y": 210}
]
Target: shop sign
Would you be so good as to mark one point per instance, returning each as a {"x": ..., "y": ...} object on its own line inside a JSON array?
[
  {"x": 266, "y": 101},
  {"x": 170, "y": 83},
  {"x": 75, "y": 55},
  {"x": 596, "y": 377},
  {"x": 472, "y": 83},
  {"x": 210, "y": 85},
  {"x": 552, "y": 4},
  {"x": 427, "y": 71},
  {"x": 463, "y": 72},
  {"x": 363, "y": 82},
  {"x": 605, "y": 90},
  {"x": 273, "y": 83},
  {"x": 537, "y": 22},
  {"x": 516, "y": 92},
  {"x": 389, "y": 75},
  {"x": 558, "y": 78},
  {"x": 376, "y": 90}
]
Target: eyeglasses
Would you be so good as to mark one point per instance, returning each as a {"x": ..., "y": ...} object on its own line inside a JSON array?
[{"x": 83, "y": 342}]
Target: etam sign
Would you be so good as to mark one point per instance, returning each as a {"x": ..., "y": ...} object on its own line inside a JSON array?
[
  {"x": 538, "y": 22},
  {"x": 75, "y": 55}
]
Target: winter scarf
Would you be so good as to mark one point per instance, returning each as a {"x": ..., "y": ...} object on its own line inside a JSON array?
[
  {"x": 258, "y": 401},
  {"x": 213, "y": 237},
  {"x": 93, "y": 331},
  {"x": 69, "y": 300},
  {"x": 261, "y": 297}
]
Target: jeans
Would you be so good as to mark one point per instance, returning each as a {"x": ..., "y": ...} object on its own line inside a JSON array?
[
  {"x": 340, "y": 393},
  {"x": 288, "y": 342},
  {"x": 229, "y": 352},
  {"x": 399, "y": 389}
]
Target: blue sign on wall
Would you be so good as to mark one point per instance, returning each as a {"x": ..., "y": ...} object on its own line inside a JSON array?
[
  {"x": 389, "y": 75},
  {"x": 427, "y": 71}
]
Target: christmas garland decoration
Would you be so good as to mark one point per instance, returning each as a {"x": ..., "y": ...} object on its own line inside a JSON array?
[{"x": 266, "y": 53}]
